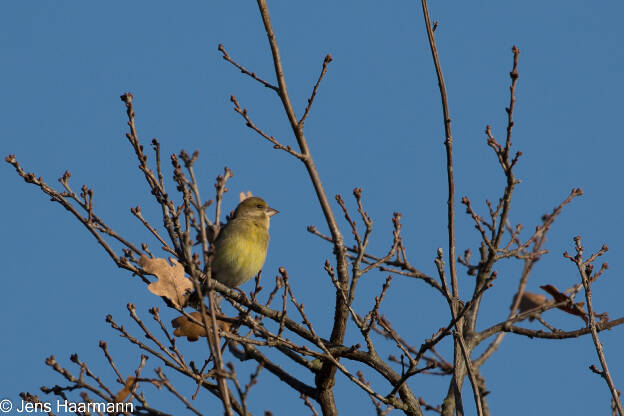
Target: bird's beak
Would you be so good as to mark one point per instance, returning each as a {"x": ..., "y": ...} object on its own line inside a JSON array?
[{"x": 270, "y": 211}]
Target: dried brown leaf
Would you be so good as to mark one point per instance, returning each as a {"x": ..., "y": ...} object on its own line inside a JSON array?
[
  {"x": 171, "y": 281},
  {"x": 571, "y": 308},
  {"x": 530, "y": 301},
  {"x": 184, "y": 327},
  {"x": 125, "y": 392}
]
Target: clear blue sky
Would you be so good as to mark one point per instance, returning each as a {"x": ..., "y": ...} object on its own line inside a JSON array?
[{"x": 376, "y": 124}]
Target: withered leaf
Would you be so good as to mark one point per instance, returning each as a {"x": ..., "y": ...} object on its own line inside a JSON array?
[
  {"x": 184, "y": 327},
  {"x": 171, "y": 281},
  {"x": 571, "y": 308},
  {"x": 530, "y": 301},
  {"x": 125, "y": 392}
]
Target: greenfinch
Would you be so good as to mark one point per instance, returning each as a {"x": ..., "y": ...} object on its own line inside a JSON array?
[{"x": 241, "y": 246}]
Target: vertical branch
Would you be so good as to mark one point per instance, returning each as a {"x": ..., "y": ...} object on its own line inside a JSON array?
[
  {"x": 215, "y": 346},
  {"x": 204, "y": 223},
  {"x": 503, "y": 154},
  {"x": 584, "y": 268},
  {"x": 297, "y": 128},
  {"x": 603, "y": 361},
  {"x": 464, "y": 355},
  {"x": 449, "y": 149},
  {"x": 325, "y": 378},
  {"x": 512, "y": 98},
  {"x": 209, "y": 323}
]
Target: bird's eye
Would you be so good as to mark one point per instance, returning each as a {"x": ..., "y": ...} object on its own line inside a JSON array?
[{"x": 259, "y": 206}]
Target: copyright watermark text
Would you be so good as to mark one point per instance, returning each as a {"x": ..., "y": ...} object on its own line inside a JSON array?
[{"x": 63, "y": 406}]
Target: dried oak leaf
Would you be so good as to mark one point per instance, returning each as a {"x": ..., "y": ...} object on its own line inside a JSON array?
[
  {"x": 571, "y": 308},
  {"x": 184, "y": 327},
  {"x": 125, "y": 392},
  {"x": 530, "y": 301},
  {"x": 171, "y": 281}
]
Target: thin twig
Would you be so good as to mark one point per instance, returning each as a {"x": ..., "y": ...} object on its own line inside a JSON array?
[
  {"x": 326, "y": 61},
  {"x": 253, "y": 75}
]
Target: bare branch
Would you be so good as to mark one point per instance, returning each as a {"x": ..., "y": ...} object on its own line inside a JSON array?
[
  {"x": 582, "y": 268},
  {"x": 326, "y": 61}
]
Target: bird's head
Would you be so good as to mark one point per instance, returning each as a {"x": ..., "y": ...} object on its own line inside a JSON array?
[{"x": 255, "y": 208}]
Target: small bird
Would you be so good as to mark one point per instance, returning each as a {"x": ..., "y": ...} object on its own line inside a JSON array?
[{"x": 241, "y": 246}]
